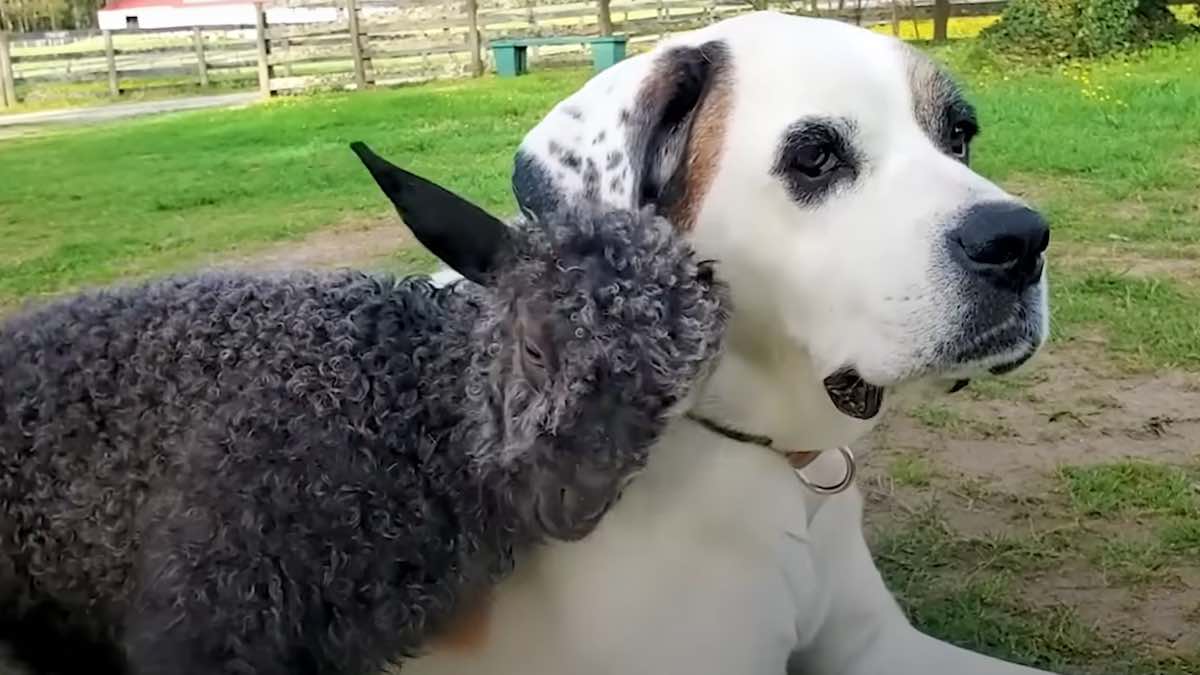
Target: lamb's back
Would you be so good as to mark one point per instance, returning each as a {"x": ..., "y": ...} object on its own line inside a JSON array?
[{"x": 99, "y": 393}]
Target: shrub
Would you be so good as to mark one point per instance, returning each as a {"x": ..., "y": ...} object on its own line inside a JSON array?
[{"x": 1082, "y": 27}]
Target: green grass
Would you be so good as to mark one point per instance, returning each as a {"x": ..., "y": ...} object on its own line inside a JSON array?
[
  {"x": 942, "y": 417},
  {"x": 1144, "y": 320},
  {"x": 412, "y": 260},
  {"x": 1123, "y": 129},
  {"x": 48, "y": 95},
  {"x": 1181, "y": 535},
  {"x": 1132, "y": 487},
  {"x": 142, "y": 197},
  {"x": 1131, "y": 561},
  {"x": 1010, "y": 387},
  {"x": 1110, "y": 149},
  {"x": 960, "y": 588},
  {"x": 972, "y": 591},
  {"x": 1156, "y": 507},
  {"x": 912, "y": 471}
]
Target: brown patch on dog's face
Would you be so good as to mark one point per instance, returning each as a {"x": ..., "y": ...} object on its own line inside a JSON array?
[{"x": 703, "y": 152}]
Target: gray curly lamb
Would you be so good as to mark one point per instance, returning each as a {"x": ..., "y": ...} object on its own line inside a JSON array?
[{"x": 312, "y": 474}]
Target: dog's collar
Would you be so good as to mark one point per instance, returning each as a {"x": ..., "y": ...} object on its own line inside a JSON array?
[{"x": 799, "y": 459}]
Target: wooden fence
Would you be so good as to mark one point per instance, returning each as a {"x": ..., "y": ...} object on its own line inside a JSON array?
[
  {"x": 208, "y": 56},
  {"x": 393, "y": 41}
]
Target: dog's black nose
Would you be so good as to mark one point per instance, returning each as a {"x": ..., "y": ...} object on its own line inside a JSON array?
[{"x": 1002, "y": 242}]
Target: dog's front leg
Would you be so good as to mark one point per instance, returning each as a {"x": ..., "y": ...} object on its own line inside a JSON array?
[{"x": 863, "y": 631}]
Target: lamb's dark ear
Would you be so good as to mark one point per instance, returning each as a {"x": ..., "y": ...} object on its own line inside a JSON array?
[{"x": 462, "y": 235}]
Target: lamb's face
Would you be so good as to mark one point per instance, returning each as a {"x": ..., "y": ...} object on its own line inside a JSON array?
[
  {"x": 602, "y": 326},
  {"x": 595, "y": 328}
]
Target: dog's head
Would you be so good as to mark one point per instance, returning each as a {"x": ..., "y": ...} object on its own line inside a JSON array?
[{"x": 827, "y": 169}]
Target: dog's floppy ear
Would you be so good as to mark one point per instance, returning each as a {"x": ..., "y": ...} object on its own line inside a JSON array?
[
  {"x": 662, "y": 127},
  {"x": 645, "y": 132},
  {"x": 465, "y": 237}
]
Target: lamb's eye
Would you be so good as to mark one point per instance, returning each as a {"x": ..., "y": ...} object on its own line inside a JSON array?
[{"x": 534, "y": 354}]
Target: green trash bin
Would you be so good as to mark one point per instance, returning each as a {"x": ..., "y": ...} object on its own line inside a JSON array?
[
  {"x": 608, "y": 50},
  {"x": 510, "y": 58}
]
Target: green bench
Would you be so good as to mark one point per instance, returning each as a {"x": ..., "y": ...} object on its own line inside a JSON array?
[{"x": 511, "y": 59}]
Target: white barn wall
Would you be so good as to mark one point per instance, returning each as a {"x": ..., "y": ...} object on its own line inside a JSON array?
[{"x": 211, "y": 15}]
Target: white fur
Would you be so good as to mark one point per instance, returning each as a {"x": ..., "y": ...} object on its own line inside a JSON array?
[{"x": 716, "y": 561}]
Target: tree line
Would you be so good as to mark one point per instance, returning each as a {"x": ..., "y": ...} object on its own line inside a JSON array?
[{"x": 24, "y": 16}]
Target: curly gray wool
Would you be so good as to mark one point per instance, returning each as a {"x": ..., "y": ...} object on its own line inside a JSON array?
[{"x": 312, "y": 473}]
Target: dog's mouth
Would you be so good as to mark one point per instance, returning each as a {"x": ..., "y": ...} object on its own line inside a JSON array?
[
  {"x": 976, "y": 365},
  {"x": 852, "y": 395},
  {"x": 855, "y": 397},
  {"x": 1009, "y": 366},
  {"x": 995, "y": 351}
]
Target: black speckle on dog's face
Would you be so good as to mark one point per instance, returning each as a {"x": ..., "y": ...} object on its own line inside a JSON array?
[
  {"x": 614, "y": 160},
  {"x": 815, "y": 157},
  {"x": 571, "y": 160},
  {"x": 591, "y": 181},
  {"x": 533, "y": 186}
]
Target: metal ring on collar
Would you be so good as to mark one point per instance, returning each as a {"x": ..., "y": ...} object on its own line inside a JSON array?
[{"x": 847, "y": 480}]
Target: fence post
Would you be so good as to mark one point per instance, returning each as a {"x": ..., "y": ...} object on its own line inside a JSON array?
[
  {"x": 360, "y": 70},
  {"x": 110, "y": 58},
  {"x": 941, "y": 20},
  {"x": 8, "y": 87},
  {"x": 201, "y": 64},
  {"x": 531, "y": 53},
  {"x": 473, "y": 38},
  {"x": 264, "y": 49}
]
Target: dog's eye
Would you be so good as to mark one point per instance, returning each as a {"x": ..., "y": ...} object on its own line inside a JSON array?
[
  {"x": 960, "y": 141},
  {"x": 816, "y": 160},
  {"x": 815, "y": 157}
]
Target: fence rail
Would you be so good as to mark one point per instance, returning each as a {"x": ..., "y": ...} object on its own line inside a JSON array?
[{"x": 385, "y": 41}]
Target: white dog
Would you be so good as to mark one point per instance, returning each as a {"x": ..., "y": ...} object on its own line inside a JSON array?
[{"x": 825, "y": 168}]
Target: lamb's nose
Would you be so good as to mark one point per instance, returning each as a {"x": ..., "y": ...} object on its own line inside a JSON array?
[{"x": 1002, "y": 242}]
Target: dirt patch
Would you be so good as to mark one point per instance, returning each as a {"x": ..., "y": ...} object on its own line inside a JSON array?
[
  {"x": 1074, "y": 412},
  {"x": 361, "y": 242},
  {"x": 1161, "y": 617},
  {"x": 1002, "y": 496},
  {"x": 1180, "y": 263}
]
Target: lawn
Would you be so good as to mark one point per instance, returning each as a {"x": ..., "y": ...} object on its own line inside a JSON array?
[
  {"x": 1052, "y": 518},
  {"x": 142, "y": 197}
]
